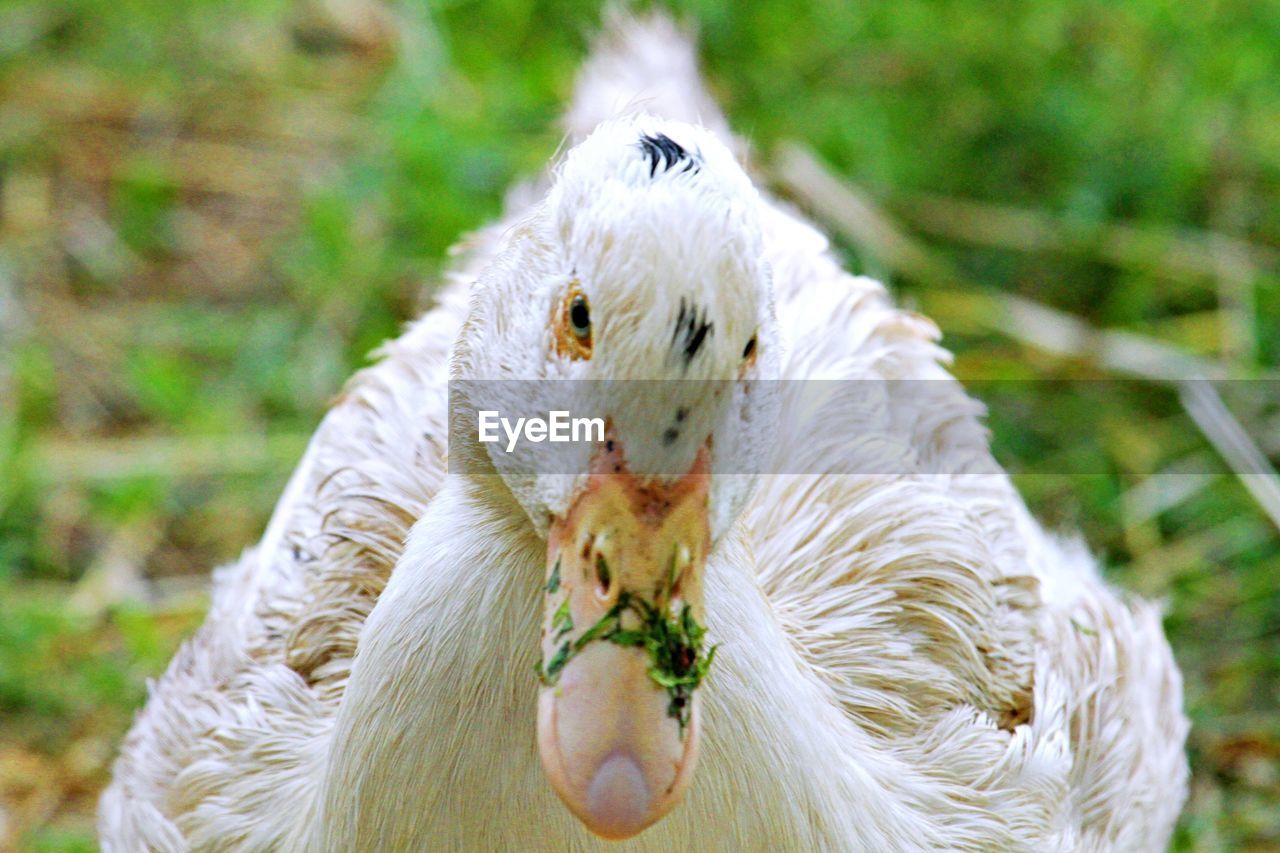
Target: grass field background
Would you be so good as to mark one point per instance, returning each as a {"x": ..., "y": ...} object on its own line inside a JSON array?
[{"x": 211, "y": 211}]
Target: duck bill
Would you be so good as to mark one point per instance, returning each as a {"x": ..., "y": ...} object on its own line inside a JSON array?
[{"x": 623, "y": 649}]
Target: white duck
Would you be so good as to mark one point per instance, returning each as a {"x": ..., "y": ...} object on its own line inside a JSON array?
[{"x": 905, "y": 660}]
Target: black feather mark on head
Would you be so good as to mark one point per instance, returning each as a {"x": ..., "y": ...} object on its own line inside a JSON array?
[
  {"x": 691, "y": 331},
  {"x": 665, "y": 151}
]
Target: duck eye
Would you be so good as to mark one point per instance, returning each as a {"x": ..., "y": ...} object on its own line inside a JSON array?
[
  {"x": 580, "y": 317},
  {"x": 571, "y": 325},
  {"x": 750, "y": 349}
]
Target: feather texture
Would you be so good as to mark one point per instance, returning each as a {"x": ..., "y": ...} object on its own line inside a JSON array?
[{"x": 910, "y": 661}]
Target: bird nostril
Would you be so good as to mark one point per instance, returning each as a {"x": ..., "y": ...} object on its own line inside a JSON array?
[
  {"x": 680, "y": 561},
  {"x": 603, "y": 576}
]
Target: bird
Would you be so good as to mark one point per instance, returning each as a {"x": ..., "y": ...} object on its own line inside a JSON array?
[{"x": 784, "y": 598}]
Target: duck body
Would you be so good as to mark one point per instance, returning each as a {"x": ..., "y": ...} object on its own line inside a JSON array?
[{"x": 905, "y": 658}]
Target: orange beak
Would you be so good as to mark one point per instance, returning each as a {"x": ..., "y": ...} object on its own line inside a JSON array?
[{"x": 622, "y": 645}]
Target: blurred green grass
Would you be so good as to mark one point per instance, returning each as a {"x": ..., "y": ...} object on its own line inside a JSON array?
[{"x": 210, "y": 212}]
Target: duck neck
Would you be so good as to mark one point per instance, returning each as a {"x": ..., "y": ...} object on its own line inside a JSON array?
[{"x": 435, "y": 740}]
